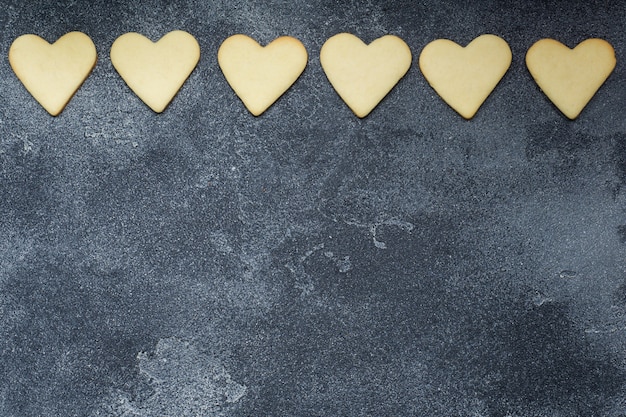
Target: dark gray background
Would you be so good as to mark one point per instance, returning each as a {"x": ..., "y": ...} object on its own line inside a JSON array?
[{"x": 204, "y": 262}]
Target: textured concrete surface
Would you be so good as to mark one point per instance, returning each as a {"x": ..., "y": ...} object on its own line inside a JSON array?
[{"x": 203, "y": 262}]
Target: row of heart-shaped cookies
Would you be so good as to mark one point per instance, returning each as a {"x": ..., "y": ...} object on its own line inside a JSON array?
[{"x": 361, "y": 74}]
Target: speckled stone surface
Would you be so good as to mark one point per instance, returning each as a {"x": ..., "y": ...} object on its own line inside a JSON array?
[{"x": 204, "y": 262}]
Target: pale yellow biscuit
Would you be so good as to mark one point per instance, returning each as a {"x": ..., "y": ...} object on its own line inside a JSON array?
[
  {"x": 260, "y": 75},
  {"x": 465, "y": 76},
  {"x": 570, "y": 77},
  {"x": 364, "y": 74},
  {"x": 155, "y": 71},
  {"x": 53, "y": 73}
]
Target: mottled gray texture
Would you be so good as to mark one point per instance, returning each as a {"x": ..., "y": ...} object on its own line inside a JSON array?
[{"x": 204, "y": 262}]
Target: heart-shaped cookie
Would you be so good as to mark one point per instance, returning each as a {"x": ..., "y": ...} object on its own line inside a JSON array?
[
  {"x": 570, "y": 77},
  {"x": 155, "y": 71},
  {"x": 260, "y": 75},
  {"x": 53, "y": 73},
  {"x": 364, "y": 74},
  {"x": 465, "y": 76}
]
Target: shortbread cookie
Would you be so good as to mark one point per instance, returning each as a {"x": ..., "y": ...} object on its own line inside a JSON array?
[
  {"x": 364, "y": 74},
  {"x": 570, "y": 77},
  {"x": 155, "y": 71},
  {"x": 260, "y": 75},
  {"x": 465, "y": 76},
  {"x": 53, "y": 73}
]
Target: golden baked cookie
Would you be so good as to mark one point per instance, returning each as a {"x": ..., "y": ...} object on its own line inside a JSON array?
[
  {"x": 465, "y": 76},
  {"x": 260, "y": 75},
  {"x": 364, "y": 74},
  {"x": 53, "y": 73},
  {"x": 570, "y": 77}
]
